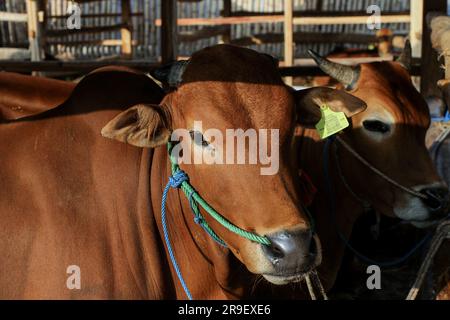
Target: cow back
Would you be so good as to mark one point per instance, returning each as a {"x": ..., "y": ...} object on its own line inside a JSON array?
[{"x": 70, "y": 197}]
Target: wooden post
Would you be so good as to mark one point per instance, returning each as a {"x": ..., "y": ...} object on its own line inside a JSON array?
[
  {"x": 415, "y": 34},
  {"x": 319, "y": 5},
  {"x": 168, "y": 31},
  {"x": 288, "y": 36},
  {"x": 34, "y": 31},
  {"x": 226, "y": 37},
  {"x": 126, "y": 30},
  {"x": 42, "y": 24},
  {"x": 431, "y": 71}
]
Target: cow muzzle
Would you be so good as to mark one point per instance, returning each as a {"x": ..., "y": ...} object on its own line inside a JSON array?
[
  {"x": 292, "y": 254},
  {"x": 425, "y": 212}
]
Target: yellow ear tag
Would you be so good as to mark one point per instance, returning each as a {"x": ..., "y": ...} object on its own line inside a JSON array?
[{"x": 331, "y": 122}]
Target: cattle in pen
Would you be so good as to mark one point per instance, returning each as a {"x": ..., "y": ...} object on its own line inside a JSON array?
[
  {"x": 390, "y": 137},
  {"x": 71, "y": 196}
]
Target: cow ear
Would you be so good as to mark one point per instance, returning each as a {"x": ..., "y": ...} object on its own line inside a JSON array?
[
  {"x": 309, "y": 102},
  {"x": 142, "y": 125}
]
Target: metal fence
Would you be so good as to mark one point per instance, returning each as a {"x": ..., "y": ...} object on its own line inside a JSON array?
[{"x": 147, "y": 36}]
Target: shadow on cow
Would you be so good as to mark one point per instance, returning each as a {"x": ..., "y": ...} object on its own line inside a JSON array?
[{"x": 390, "y": 137}]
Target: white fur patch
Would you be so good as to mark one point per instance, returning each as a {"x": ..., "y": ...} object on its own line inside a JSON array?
[{"x": 413, "y": 209}]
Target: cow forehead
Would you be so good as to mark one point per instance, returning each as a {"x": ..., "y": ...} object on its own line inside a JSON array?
[
  {"x": 387, "y": 85},
  {"x": 234, "y": 87},
  {"x": 224, "y": 105}
]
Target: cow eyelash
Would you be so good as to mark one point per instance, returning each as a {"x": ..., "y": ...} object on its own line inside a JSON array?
[
  {"x": 198, "y": 139},
  {"x": 376, "y": 126}
]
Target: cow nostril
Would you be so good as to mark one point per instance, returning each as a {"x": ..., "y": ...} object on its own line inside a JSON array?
[
  {"x": 431, "y": 201},
  {"x": 277, "y": 252},
  {"x": 291, "y": 250},
  {"x": 274, "y": 251},
  {"x": 436, "y": 198}
]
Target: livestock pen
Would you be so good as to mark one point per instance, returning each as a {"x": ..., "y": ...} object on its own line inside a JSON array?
[{"x": 133, "y": 30}]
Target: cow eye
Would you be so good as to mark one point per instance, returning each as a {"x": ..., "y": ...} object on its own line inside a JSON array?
[
  {"x": 198, "y": 138},
  {"x": 376, "y": 126}
]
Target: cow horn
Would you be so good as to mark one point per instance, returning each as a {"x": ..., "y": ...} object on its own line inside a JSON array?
[
  {"x": 406, "y": 56},
  {"x": 171, "y": 74},
  {"x": 347, "y": 75}
]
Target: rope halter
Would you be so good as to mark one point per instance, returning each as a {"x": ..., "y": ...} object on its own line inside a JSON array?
[{"x": 180, "y": 180}]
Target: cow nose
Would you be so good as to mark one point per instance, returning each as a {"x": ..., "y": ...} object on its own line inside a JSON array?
[
  {"x": 438, "y": 201},
  {"x": 291, "y": 252}
]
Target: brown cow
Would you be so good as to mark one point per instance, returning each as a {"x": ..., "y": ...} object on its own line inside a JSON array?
[
  {"x": 390, "y": 135},
  {"x": 71, "y": 197}
]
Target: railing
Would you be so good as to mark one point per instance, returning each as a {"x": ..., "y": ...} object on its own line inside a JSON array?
[{"x": 14, "y": 53}]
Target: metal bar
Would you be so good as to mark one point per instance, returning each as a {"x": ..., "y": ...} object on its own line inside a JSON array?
[
  {"x": 280, "y": 18},
  {"x": 168, "y": 23},
  {"x": 13, "y": 17}
]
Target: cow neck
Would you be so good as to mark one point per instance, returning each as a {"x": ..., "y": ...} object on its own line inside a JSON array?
[
  {"x": 191, "y": 243},
  {"x": 310, "y": 151},
  {"x": 347, "y": 207}
]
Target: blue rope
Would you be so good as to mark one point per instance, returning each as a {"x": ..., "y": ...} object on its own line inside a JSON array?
[
  {"x": 175, "y": 181},
  {"x": 445, "y": 118},
  {"x": 329, "y": 185}
]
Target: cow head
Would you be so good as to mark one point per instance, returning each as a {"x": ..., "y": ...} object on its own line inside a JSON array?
[
  {"x": 227, "y": 87},
  {"x": 390, "y": 133}
]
